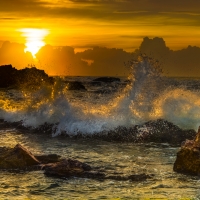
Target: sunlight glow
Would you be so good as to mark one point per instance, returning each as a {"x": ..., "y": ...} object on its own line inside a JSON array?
[{"x": 34, "y": 39}]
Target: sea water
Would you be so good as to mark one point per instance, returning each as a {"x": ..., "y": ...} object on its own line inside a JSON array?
[{"x": 144, "y": 95}]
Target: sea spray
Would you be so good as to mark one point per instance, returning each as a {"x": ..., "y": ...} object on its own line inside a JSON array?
[{"x": 147, "y": 96}]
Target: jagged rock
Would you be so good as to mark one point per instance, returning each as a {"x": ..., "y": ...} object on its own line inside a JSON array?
[
  {"x": 159, "y": 131},
  {"x": 188, "y": 158},
  {"x": 17, "y": 157},
  {"x": 106, "y": 79},
  {"x": 28, "y": 77},
  {"x": 75, "y": 85}
]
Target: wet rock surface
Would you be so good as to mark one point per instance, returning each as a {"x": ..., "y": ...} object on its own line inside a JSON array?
[
  {"x": 19, "y": 158},
  {"x": 158, "y": 131},
  {"x": 188, "y": 158}
]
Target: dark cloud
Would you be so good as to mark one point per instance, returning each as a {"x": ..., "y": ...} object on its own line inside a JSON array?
[
  {"x": 103, "y": 9},
  {"x": 183, "y": 62},
  {"x": 99, "y": 61}
]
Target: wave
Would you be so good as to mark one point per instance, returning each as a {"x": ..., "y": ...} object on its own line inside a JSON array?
[{"x": 147, "y": 96}]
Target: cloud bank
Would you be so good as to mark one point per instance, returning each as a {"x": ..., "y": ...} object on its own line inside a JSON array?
[{"x": 102, "y": 61}]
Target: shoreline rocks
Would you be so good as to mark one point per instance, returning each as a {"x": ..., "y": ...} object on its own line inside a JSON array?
[
  {"x": 158, "y": 131},
  {"x": 188, "y": 158},
  {"x": 19, "y": 158}
]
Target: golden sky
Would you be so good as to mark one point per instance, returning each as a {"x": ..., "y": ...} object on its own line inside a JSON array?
[{"x": 111, "y": 23}]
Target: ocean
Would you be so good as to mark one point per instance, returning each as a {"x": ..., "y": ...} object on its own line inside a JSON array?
[{"x": 75, "y": 124}]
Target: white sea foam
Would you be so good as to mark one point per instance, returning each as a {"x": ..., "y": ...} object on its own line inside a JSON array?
[{"x": 145, "y": 98}]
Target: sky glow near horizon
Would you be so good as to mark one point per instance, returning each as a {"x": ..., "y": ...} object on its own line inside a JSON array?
[{"x": 121, "y": 24}]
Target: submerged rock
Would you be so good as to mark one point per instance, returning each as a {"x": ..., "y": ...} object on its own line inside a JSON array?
[{"x": 188, "y": 158}]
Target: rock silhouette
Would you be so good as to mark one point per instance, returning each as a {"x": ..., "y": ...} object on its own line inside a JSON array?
[{"x": 28, "y": 77}]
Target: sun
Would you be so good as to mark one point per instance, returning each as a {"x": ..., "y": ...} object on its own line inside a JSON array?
[{"x": 34, "y": 39}]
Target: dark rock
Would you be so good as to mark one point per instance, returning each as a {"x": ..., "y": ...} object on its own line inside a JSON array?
[
  {"x": 66, "y": 168},
  {"x": 17, "y": 157},
  {"x": 162, "y": 131},
  {"x": 51, "y": 158},
  {"x": 75, "y": 85},
  {"x": 28, "y": 77},
  {"x": 159, "y": 131},
  {"x": 107, "y": 79},
  {"x": 188, "y": 158}
]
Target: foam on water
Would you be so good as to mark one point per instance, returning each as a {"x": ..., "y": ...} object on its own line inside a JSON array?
[{"x": 145, "y": 98}]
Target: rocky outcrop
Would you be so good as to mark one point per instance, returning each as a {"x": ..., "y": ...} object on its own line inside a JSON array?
[
  {"x": 19, "y": 158},
  {"x": 28, "y": 77},
  {"x": 159, "y": 131},
  {"x": 188, "y": 158},
  {"x": 75, "y": 85}
]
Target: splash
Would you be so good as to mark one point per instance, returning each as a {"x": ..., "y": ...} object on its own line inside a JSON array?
[{"x": 147, "y": 96}]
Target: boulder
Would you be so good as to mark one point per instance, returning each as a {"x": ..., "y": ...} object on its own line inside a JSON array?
[
  {"x": 16, "y": 158},
  {"x": 66, "y": 168},
  {"x": 188, "y": 158}
]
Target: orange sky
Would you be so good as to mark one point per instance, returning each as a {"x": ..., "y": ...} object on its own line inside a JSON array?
[{"x": 111, "y": 23}]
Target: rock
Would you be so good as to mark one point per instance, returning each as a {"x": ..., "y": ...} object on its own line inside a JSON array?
[
  {"x": 188, "y": 158},
  {"x": 107, "y": 79},
  {"x": 17, "y": 157},
  {"x": 28, "y": 77},
  {"x": 66, "y": 168},
  {"x": 75, "y": 85},
  {"x": 159, "y": 131},
  {"x": 74, "y": 168},
  {"x": 45, "y": 159},
  {"x": 7, "y": 74}
]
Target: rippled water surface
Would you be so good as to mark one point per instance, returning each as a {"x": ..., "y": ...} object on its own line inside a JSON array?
[{"x": 155, "y": 159}]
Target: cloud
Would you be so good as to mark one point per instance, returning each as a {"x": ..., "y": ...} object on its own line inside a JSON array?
[
  {"x": 98, "y": 9},
  {"x": 184, "y": 62},
  {"x": 100, "y": 61},
  {"x": 13, "y": 53}
]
